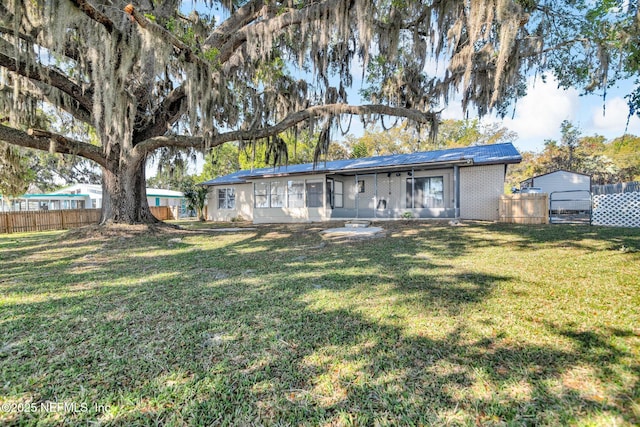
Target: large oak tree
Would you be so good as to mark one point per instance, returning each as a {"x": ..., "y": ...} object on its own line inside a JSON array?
[{"x": 149, "y": 75}]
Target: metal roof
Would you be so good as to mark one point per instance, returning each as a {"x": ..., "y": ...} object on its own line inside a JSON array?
[
  {"x": 476, "y": 155},
  {"x": 158, "y": 192},
  {"x": 551, "y": 173}
]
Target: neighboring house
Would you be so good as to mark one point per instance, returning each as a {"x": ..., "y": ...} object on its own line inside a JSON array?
[
  {"x": 158, "y": 197},
  {"x": 567, "y": 190},
  {"x": 87, "y": 196},
  {"x": 463, "y": 183}
]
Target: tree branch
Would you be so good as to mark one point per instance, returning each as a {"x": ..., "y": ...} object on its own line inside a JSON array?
[
  {"x": 288, "y": 122},
  {"x": 172, "y": 108},
  {"x": 42, "y": 92},
  {"x": 165, "y": 35},
  {"x": 280, "y": 22},
  {"x": 42, "y": 140},
  {"x": 33, "y": 39},
  {"x": 49, "y": 77},
  {"x": 241, "y": 17},
  {"x": 95, "y": 14}
]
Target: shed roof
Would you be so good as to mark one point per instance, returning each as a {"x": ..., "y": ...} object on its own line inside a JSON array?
[
  {"x": 554, "y": 172},
  {"x": 477, "y": 155}
]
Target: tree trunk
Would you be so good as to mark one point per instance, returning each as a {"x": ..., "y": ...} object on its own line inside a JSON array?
[{"x": 124, "y": 196}]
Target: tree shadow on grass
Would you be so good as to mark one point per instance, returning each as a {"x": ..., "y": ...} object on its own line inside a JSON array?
[
  {"x": 260, "y": 331},
  {"x": 240, "y": 359},
  {"x": 570, "y": 236}
]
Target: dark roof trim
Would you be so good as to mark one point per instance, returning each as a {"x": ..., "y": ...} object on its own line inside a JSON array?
[{"x": 381, "y": 169}]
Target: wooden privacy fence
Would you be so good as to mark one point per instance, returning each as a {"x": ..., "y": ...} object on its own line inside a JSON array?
[
  {"x": 524, "y": 208},
  {"x": 164, "y": 213},
  {"x": 21, "y": 222}
]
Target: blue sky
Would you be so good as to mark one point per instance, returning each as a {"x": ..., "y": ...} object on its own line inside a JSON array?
[{"x": 539, "y": 114}]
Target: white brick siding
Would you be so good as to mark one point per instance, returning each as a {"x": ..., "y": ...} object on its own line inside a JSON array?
[{"x": 480, "y": 190}]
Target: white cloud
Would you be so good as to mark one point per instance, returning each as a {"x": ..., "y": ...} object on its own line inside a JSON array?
[
  {"x": 537, "y": 116},
  {"x": 540, "y": 113},
  {"x": 614, "y": 119}
]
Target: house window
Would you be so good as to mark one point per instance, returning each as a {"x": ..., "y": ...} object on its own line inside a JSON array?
[
  {"x": 360, "y": 186},
  {"x": 314, "y": 194},
  {"x": 276, "y": 195},
  {"x": 226, "y": 198},
  {"x": 295, "y": 194},
  {"x": 261, "y": 194},
  {"x": 425, "y": 192}
]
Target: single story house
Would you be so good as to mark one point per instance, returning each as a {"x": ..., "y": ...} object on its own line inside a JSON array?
[
  {"x": 85, "y": 196},
  {"x": 568, "y": 191},
  {"x": 463, "y": 183}
]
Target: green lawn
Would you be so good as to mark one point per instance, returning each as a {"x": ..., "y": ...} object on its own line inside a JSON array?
[{"x": 482, "y": 324}]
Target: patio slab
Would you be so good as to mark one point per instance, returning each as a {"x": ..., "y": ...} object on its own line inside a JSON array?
[{"x": 353, "y": 232}]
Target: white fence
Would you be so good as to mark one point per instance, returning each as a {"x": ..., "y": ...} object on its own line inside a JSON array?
[{"x": 618, "y": 210}]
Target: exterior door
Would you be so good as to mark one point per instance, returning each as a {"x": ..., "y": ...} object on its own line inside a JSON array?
[
  {"x": 366, "y": 199},
  {"x": 384, "y": 200}
]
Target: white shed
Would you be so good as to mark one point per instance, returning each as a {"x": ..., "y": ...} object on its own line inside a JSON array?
[
  {"x": 559, "y": 181},
  {"x": 570, "y": 190}
]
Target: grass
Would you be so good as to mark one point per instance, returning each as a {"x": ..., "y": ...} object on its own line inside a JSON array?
[{"x": 483, "y": 324}]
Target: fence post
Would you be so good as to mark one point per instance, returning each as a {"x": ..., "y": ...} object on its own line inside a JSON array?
[
  {"x": 62, "y": 219},
  {"x": 547, "y": 208}
]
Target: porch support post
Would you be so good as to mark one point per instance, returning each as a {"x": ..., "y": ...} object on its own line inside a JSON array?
[
  {"x": 357, "y": 198},
  {"x": 456, "y": 191},
  {"x": 413, "y": 189}
]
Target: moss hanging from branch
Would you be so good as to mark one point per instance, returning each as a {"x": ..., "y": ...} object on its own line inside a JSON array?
[{"x": 144, "y": 76}]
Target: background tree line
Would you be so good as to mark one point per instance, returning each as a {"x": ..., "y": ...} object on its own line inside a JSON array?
[{"x": 616, "y": 160}]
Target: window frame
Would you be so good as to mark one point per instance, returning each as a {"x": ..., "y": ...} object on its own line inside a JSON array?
[
  {"x": 229, "y": 199},
  {"x": 413, "y": 190},
  {"x": 275, "y": 195},
  {"x": 261, "y": 194}
]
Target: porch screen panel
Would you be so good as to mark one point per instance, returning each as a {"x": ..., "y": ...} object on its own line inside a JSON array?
[
  {"x": 295, "y": 194},
  {"x": 338, "y": 194},
  {"x": 428, "y": 192},
  {"x": 314, "y": 194}
]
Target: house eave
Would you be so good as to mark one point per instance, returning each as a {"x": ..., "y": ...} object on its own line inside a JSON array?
[
  {"x": 497, "y": 154},
  {"x": 405, "y": 167}
]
